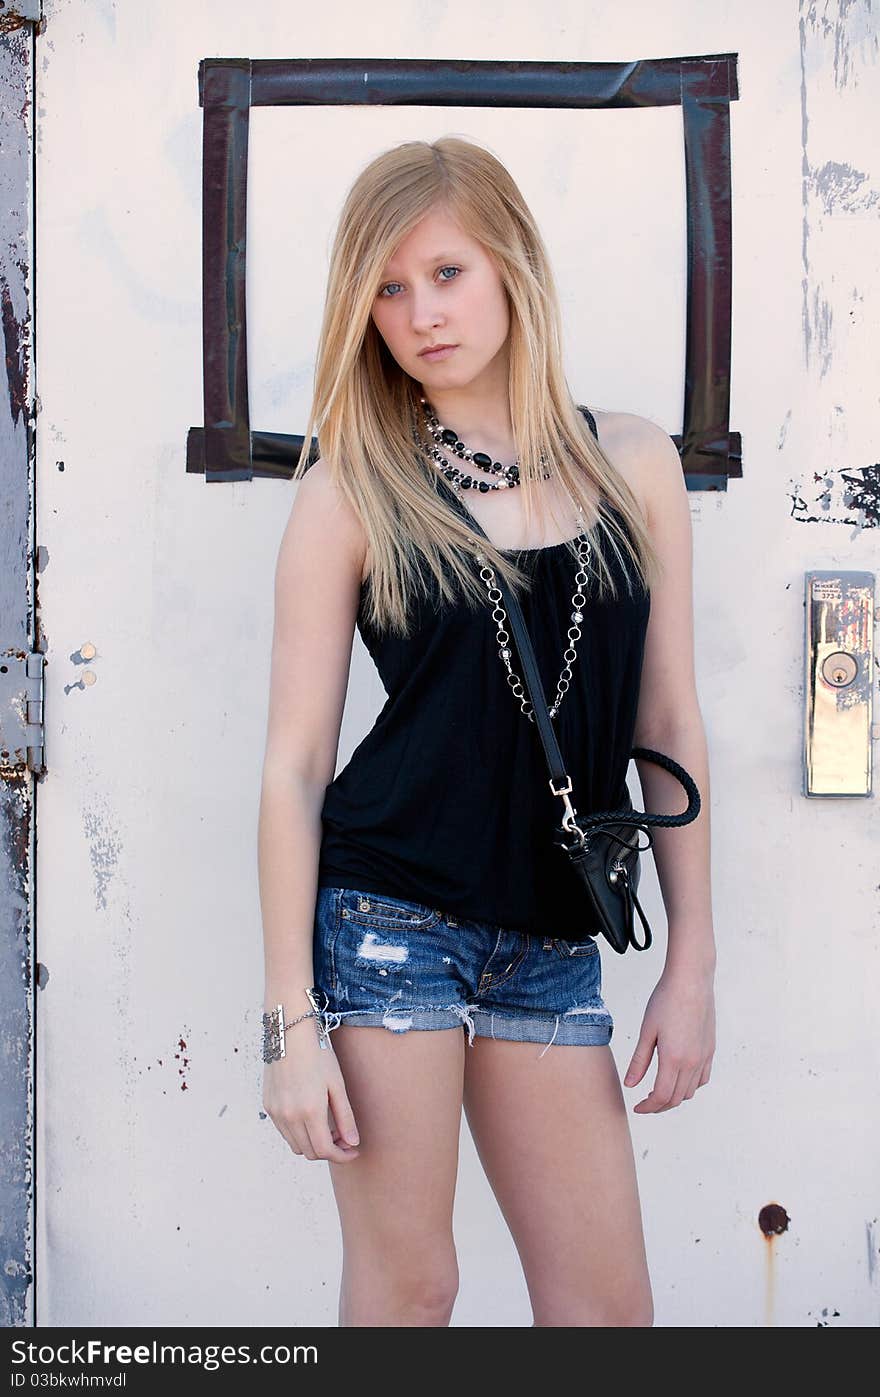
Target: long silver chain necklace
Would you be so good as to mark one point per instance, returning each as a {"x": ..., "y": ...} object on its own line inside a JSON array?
[
  {"x": 460, "y": 481},
  {"x": 499, "y": 615}
]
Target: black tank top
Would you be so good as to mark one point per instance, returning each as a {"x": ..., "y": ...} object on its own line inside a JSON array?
[{"x": 446, "y": 800}]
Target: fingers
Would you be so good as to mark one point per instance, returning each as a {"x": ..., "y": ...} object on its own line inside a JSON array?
[
  {"x": 320, "y": 1142},
  {"x": 310, "y": 1137},
  {"x": 674, "y": 1083},
  {"x": 641, "y": 1058},
  {"x": 340, "y": 1111},
  {"x": 312, "y": 1134},
  {"x": 660, "y": 1096}
]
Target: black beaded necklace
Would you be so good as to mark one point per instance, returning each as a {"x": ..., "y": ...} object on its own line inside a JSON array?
[{"x": 446, "y": 437}]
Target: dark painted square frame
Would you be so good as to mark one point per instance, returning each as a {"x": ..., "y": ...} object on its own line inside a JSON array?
[{"x": 226, "y": 447}]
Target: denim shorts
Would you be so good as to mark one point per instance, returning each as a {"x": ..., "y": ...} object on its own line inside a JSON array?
[{"x": 381, "y": 960}]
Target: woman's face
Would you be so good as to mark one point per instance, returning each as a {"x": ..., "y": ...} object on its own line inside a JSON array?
[{"x": 442, "y": 287}]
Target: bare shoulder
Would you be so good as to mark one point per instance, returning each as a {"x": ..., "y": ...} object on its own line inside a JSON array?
[
  {"x": 322, "y": 522},
  {"x": 645, "y": 455}
]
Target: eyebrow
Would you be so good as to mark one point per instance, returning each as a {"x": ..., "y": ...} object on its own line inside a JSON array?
[{"x": 441, "y": 257}]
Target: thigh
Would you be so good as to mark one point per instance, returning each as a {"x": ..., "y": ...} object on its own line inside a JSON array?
[
  {"x": 395, "y": 1200},
  {"x": 553, "y": 1137}
]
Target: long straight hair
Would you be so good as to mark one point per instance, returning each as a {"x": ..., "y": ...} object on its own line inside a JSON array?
[{"x": 363, "y": 403}]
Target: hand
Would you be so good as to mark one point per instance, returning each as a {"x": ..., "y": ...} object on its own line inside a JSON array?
[
  {"x": 305, "y": 1096},
  {"x": 680, "y": 1020}
]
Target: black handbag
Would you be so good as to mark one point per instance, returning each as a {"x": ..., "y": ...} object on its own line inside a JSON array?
[{"x": 601, "y": 847}]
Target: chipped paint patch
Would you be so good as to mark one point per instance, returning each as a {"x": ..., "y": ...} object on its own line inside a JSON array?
[
  {"x": 844, "y": 189},
  {"x": 839, "y": 497},
  {"x": 843, "y": 39},
  {"x": 873, "y": 1242},
  {"x": 847, "y": 27},
  {"x": 105, "y": 846},
  {"x": 16, "y": 341}
]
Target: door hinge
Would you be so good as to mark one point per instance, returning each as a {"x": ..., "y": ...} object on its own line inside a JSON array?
[{"x": 21, "y": 713}]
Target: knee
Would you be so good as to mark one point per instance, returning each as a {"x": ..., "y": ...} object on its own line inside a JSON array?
[
  {"x": 418, "y": 1292},
  {"x": 430, "y": 1300},
  {"x": 626, "y": 1312}
]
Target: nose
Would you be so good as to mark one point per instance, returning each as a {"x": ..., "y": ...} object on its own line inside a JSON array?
[{"x": 426, "y": 312}]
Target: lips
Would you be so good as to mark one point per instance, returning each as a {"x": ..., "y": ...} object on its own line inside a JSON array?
[{"x": 435, "y": 351}]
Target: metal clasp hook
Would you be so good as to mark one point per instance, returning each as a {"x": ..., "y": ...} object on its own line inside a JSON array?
[{"x": 568, "y": 819}]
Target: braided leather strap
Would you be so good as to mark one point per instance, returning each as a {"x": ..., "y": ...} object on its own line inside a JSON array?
[{"x": 641, "y": 818}]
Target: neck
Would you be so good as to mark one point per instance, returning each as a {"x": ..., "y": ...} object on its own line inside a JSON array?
[{"x": 479, "y": 411}]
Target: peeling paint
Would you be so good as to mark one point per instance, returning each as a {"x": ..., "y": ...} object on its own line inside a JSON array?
[
  {"x": 826, "y": 1314},
  {"x": 842, "y": 189},
  {"x": 105, "y": 846},
  {"x": 873, "y": 1242},
  {"x": 16, "y": 341},
  {"x": 848, "y": 496},
  {"x": 832, "y": 187},
  {"x": 845, "y": 26}
]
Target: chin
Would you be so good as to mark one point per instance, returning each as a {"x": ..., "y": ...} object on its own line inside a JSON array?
[{"x": 450, "y": 373}]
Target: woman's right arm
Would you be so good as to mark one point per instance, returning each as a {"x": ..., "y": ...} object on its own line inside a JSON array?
[{"x": 317, "y": 589}]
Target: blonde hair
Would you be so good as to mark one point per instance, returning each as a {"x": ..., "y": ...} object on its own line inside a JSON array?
[{"x": 363, "y": 401}]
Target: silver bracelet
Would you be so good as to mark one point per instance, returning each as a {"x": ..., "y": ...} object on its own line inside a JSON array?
[{"x": 274, "y": 1046}]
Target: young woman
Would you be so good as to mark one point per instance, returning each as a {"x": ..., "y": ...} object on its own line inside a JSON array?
[{"x": 415, "y": 906}]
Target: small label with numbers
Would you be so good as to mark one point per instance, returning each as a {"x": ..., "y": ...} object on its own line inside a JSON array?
[{"x": 826, "y": 591}]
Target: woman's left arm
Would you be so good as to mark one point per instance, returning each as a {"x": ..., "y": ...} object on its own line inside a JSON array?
[{"x": 679, "y": 1019}]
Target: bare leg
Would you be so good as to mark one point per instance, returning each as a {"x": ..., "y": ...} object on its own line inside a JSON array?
[
  {"x": 553, "y": 1137},
  {"x": 395, "y": 1201}
]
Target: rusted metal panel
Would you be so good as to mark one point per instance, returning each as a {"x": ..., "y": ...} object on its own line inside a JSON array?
[
  {"x": 18, "y": 730},
  {"x": 20, "y": 15},
  {"x": 703, "y": 86}
]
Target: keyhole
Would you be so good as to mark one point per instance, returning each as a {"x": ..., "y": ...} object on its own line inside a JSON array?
[{"x": 839, "y": 669}]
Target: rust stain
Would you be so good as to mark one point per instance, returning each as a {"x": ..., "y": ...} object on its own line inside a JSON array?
[
  {"x": 17, "y": 816},
  {"x": 9, "y": 23},
  {"x": 180, "y": 1056},
  {"x": 773, "y": 1220}
]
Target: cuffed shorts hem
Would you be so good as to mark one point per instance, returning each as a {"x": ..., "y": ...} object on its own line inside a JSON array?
[{"x": 582, "y": 1027}]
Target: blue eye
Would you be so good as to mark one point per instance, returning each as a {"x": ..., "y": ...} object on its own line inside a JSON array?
[{"x": 448, "y": 268}]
